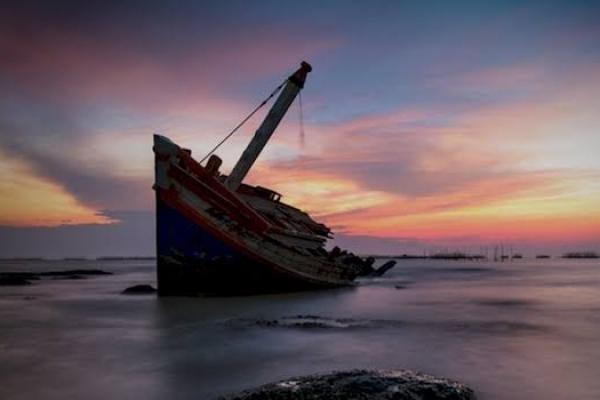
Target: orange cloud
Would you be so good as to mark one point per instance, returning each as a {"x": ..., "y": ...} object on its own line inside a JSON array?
[
  {"x": 521, "y": 170},
  {"x": 29, "y": 200}
]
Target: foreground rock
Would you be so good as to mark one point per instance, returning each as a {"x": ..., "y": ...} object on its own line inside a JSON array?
[
  {"x": 139, "y": 289},
  {"x": 360, "y": 384}
]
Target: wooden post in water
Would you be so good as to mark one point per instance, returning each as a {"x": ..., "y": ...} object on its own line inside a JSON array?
[{"x": 293, "y": 86}]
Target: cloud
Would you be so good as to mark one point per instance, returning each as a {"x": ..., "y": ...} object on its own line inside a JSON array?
[
  {"x": 81, "y": 99},
  {"x": 28, "y": 199},
  {"x": 55, "y": 161},
  {"x": 490, "y": 171},
  {"x": 78, "y": 58},
  {"x": 447, "y": 133}
]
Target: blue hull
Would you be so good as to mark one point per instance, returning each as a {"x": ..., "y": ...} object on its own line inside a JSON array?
[{"x": 191, "y": 260}]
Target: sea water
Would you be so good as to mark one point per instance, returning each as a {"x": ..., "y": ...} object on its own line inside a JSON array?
[{"x": 512, "y": 330}]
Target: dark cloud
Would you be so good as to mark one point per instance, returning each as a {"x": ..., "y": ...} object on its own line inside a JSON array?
[
  {"x": 69, "y": 70},
  {"x": 48, "y": 140}
]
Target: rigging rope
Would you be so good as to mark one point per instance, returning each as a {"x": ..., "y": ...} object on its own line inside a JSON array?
[{"x": 265, "y": 101}]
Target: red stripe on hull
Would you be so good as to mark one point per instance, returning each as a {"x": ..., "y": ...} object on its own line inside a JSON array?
[{"x": 171, "y": 199}]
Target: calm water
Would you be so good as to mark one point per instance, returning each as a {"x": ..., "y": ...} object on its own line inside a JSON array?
[{"x": 521, "y": 330}]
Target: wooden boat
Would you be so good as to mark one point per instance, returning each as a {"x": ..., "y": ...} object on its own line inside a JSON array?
[{"x": 218, "y": 235}]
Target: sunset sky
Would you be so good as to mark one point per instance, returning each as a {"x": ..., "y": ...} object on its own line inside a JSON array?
[{"x": 428, "y": 124}]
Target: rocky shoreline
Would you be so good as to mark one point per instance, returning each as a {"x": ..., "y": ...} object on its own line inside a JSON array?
[
  {"x": 139, "y": 289},
  {"x": 25, "y": 278},
  {"x": 360, "y": 385}
]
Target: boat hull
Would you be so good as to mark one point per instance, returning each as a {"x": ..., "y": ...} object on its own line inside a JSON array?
[
  {"x": 194, "y": 259},
  {"x": 212, "y": 240}
]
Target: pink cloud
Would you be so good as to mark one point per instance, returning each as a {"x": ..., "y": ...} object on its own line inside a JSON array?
[
  {"x": 481, "y": 160},
  {"x": 74, "y": 68}
]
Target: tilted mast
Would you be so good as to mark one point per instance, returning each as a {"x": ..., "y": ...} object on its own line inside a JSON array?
[{"x": 293, "y": 86}]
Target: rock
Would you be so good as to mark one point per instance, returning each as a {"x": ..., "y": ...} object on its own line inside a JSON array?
[
  {"x": 139, "y": 289},
  {"x": 13, "y": 281},
  {"x": 24, "y": 278},
  {"x": 73, "y": 272},
  {"x": 315, "y": 322},
  {"x": 21, "y": 275},
  {"x": 69, "y": 277},
  {"x": 360, "y": 384}
]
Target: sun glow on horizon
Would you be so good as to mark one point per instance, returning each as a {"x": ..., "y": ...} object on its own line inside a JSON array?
[{"x": 27, "y": 199}]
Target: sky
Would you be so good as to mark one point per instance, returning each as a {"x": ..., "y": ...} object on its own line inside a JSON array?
[{"x": 429, "y": 125}]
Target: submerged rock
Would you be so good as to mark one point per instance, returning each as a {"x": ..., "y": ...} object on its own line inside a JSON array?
[
  {"x": 13, "y": 281},
  {"x": 73, "y": 272},
  {"x": 24, "y": 278},
  {"x": 360, "y": 384},
  {"x": 139, "y": 289},
  {"x": 314, "y": 322},
  {"x": 68, "y": 277}
]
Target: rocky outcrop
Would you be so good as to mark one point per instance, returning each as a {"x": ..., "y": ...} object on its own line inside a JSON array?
[
  {"x": 360, "y": 384},
  {"x": 25, "y": 278},
  {"x": 14, "y": 281},
  {"x": 139, "y": 289},
  {"x": 75, "y": 272},
  {"x": 69, "y": 277},
  {"x": 312, "y": 322}
]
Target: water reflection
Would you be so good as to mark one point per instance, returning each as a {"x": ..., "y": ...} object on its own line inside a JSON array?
[{"x": 511, "y": 331}]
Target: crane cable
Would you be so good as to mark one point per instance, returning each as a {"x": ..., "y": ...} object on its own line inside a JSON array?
[{"x": 265, "y": 101}]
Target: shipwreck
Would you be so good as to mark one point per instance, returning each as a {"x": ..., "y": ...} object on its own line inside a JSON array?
[{"x": 218, "y": 235}]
